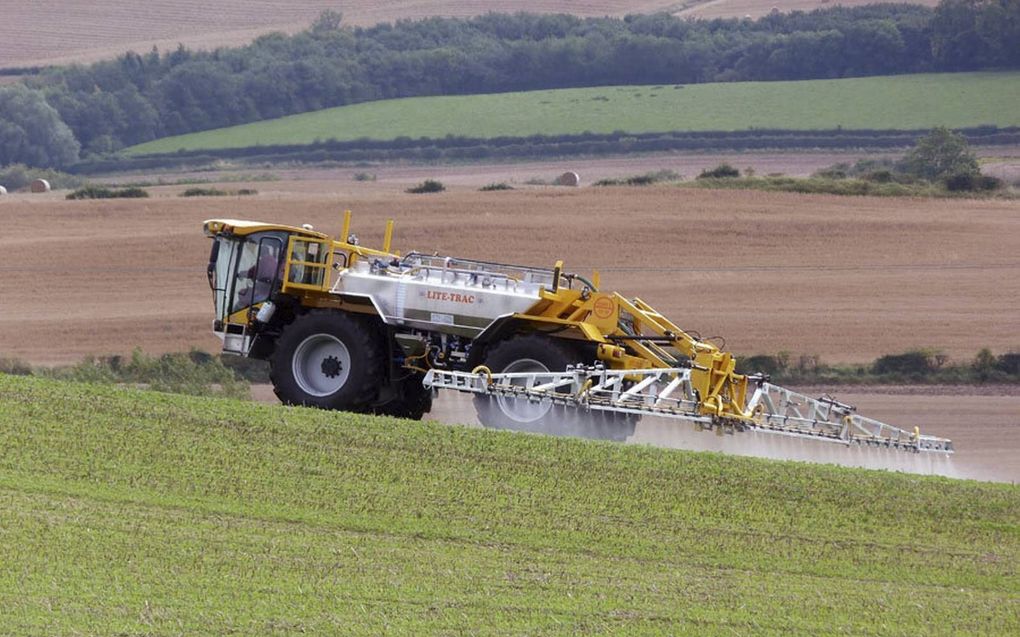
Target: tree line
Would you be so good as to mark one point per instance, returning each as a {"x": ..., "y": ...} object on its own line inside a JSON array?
[{"x": 59, "y": 115}]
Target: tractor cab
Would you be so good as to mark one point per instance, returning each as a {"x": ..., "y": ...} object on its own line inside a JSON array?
[{"x": 249, "y": 265}]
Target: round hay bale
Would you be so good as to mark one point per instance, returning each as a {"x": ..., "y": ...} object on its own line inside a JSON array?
[
  {"x": 568, "y": 178},
  {"x": 3, "y": 191},
  {"x": 40, "y": 185}
]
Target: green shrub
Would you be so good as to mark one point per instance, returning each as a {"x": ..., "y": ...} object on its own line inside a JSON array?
[
  {"x": 429, "y": 185},
  {"x": 1009, "y": 364},
  {"x": 195, "y": 372},
  {"x": 101, "y": 192},
  {"x": 879, "y": 176},
  {"x": 941, "y": 154},
  {"x": 984, "y": 365},
  {"x": 722, "y": 171},
  {"x": 15, "y": 367},
  {"x": 971, "y": 182},
  {"x": 249, "y": 369},
  {"x": 497, "y": 186},
  {"x": 17, "y": 176},
  {"x": 866, "y": 166},
  {"x": 836, "y": 171},
  {"x": 918, "y": 366},
  {"x": 766, "y": 364},
  {"x": 247, "y": 191},
  {"x": 915, "y": 362},
  {"x": 961, "y": 182},
  {"x": 204, "y": 192},
  {"x": 646, "y": 179},
  {"x": 91, "y": 192},
  {"x": 819, "y": 185},
  {"x": 988, "y": 182},
  {"x": 879, "y": 171},
  {"x": 364, "y": 177}
]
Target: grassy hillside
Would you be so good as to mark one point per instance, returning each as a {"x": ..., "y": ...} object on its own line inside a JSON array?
[
  {"x": 899, "y": 102},
  {"x": 125, "y": 512}
]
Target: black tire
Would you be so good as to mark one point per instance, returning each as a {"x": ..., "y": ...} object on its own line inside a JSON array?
[
  {"x": 555, "y": 354},
  {"x": 413, "y": 402},
  {"x": 531, "y": 352},
  {"x": 329, "y": 360}
]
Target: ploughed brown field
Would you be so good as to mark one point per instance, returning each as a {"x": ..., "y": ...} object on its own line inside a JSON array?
[
  {"x": 845, "y": 278},
  {"x": 73, "y": 31}
]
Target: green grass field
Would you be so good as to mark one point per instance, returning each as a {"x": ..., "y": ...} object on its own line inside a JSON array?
[
  {"x": 899, "y": 102},
  {"x": 130, "y": 512}
]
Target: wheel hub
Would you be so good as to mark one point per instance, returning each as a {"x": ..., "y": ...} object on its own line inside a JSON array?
[
  {"x": 321, "y": 365},
  {"x": 522, "y": 410},
  {"x": 331, "y": 366}
]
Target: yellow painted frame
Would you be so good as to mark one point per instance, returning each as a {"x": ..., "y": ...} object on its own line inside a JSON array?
[{"x": 325, "y": 265}]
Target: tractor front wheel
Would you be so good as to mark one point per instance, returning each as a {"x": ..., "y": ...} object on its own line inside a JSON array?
[{"x": 330, "y": 360}]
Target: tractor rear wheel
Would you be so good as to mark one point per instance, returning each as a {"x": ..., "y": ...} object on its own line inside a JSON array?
[
  {"x": 330, "y": 360},
  {"x": 519, "y": 354},
  {"x": 537, "y": 353}
]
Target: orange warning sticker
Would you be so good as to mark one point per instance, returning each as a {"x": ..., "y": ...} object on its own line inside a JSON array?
[{"x": 604, "y": 307}]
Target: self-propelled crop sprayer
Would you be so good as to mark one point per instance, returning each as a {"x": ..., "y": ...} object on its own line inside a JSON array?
[{"x": 347, "y": 327}]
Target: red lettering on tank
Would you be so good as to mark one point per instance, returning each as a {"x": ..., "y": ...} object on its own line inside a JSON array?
[{"x": 452, "y": 297}]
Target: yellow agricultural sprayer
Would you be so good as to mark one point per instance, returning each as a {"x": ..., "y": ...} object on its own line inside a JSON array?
[{"x": 357, "y": 329}]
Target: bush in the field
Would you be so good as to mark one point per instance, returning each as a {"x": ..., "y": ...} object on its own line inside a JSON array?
[
  {"x": 427, "y": 186},
  {"x": 100, "y": 192},
  {"x": 194, "y": 372},
  {"x": 15, "y": 367},
  {"x": 204, "y": 192},
  {"x": 722, "y": 171}
]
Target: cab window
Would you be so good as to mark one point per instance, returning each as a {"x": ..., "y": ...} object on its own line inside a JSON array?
[{"x": 258, "y": 271}]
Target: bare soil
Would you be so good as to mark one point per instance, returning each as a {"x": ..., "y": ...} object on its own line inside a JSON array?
[
  {"x": 983, "y": 428},
  {"x": 845, "y": 278}
]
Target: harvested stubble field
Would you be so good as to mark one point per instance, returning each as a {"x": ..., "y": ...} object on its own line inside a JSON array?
[
  {"x": 849, "y": 279},
  {"x": 137, "y": 513}
]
